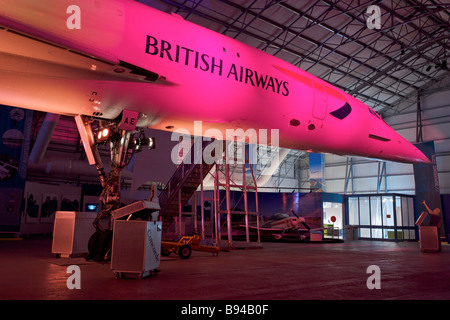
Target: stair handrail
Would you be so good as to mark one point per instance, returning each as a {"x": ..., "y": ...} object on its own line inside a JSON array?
[{"x": 180, "y": 175}]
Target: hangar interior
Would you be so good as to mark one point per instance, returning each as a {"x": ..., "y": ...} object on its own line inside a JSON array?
[{"x": 399, "y": 70}]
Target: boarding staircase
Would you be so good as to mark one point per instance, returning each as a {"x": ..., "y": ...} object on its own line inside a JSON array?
[
  {"x": 230, "y": 174},
  {"x": 183, "y": 184}
]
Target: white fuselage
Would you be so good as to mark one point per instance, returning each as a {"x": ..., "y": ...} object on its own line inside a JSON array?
[{"x": 125, "y": 55}]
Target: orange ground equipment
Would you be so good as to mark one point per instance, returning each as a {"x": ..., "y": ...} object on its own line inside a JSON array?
[{"x": 185, "y": 246}]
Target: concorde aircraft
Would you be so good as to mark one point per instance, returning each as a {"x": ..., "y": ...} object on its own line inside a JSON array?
[
  {"x": 98, "y": 58},
  {"x": 130, "y": 66}
]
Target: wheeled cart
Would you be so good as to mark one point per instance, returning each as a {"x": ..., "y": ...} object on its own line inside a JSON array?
[
  {"x": 429, "y": 235},
  {"x": 136, "y": 244},
  {"x": 71, "y": 232},
  {"x": 429, "y": 239},
  {"x": 185, "y": 246}
]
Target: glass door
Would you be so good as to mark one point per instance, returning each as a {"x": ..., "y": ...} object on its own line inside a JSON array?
[
  {"x": 404, "y": 208},
  {"x": 383, "y": 216},
  {"x": 333, "y": 218}
]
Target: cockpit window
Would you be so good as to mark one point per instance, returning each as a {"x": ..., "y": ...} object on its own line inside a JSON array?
[
  {"x": 374, "y": 113},
  {"x": 342, "y": 112}
]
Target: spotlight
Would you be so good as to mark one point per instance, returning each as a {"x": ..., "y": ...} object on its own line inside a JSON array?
[
  {"x": 137, "y": 143},
  {"x": 103, "y": 135},
  {"x": 151, "y": 143}
]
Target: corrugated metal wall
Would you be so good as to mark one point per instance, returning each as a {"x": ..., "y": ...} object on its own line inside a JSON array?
[{"x": 400, "y": 177}]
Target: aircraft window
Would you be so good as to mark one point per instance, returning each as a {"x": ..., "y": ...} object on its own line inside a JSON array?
[
  {"x": 342, "y": 112},
  {"x": 372, "y": 136},
  {"x": 374, "y": 113}
]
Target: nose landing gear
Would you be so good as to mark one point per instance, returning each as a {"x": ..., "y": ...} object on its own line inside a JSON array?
[{"x": 124, "y": 141}]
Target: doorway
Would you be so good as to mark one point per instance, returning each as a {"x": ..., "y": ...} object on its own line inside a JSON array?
[
  {"x": 333, "y": 218},
  {"x": 383, "y": 216}
]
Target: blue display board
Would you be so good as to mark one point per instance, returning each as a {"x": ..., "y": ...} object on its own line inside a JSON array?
[
  {"x": 445, "y": 200},
  {"x": 427, "y": 183},
  {"x": 15, "y": 130}
]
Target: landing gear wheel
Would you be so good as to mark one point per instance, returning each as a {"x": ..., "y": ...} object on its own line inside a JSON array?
[{"x": 184, "y": 251}]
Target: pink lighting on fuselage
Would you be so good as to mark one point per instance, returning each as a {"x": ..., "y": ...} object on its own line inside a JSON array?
[{"x": 176, "y": 73}]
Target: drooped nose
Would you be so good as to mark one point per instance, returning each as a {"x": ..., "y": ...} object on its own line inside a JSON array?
[
  {"x": 389, "y": 144},
  {"x": 418, "y": 155},
  {"x": 402, "y": 150}
]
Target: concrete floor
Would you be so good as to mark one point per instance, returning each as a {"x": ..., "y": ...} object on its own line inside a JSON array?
[{"x": 278, "y": 271}]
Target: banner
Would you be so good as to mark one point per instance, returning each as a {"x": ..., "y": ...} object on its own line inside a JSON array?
[
  {"x": 427, "y": 185},
  {"x": 15, "y": 130}
]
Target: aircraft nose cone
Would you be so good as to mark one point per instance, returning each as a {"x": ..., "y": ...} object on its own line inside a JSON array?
[
  {"x": 420, "y": 157},
  {"x": 414, "y": 155}
]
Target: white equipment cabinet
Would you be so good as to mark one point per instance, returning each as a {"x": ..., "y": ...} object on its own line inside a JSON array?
[
  {"x": 429, "y": 239},
  {"x": 71, "y": 233},
  {"x": 429, "y": 235},
  {"x": 136, "y": 245}
]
